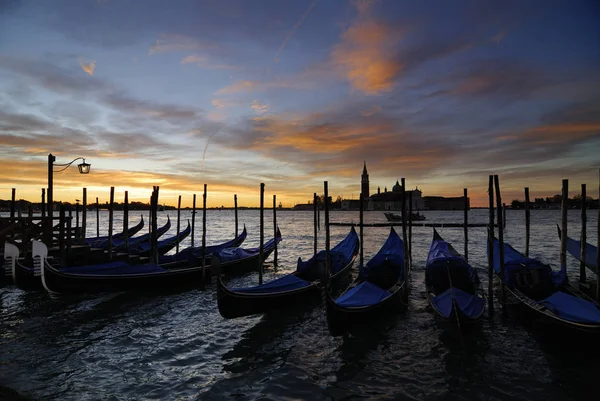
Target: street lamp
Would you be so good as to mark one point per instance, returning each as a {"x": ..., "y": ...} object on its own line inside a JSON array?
[{"x": 84, "y": 168}]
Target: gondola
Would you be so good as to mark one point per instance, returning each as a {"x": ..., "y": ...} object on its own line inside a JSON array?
[
  {"x": 574, "y": 248},
  {"x": 120, "y": 245},
  {"x": 28, "y": 278},
  {"x": 144, "y": 248},
  {"x": 184, "y": 254},
  {"x": 122, "y": 276},
  {"x": 453, "y": 287},
  {"x": 102, "y": 241},
  {"x": 119, "y": 276},
  {"x": 545, "y": 292},
  {"x": 291, "y": 289},
  {"x": 376, "y": 291},
  {"x": 237, "y": 261}
]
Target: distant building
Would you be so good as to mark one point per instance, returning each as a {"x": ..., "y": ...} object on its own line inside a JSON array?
[
  {"x": 392, "y": 200},
  {"x": 364, "y": 182},
  {"x": 350, "y": 204},
  {"x": 303, "y": 206},
  {"x": 383, "y": 200}
]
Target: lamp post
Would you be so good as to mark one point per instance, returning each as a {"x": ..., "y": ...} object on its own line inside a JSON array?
[{"x": 84, "y": 168}]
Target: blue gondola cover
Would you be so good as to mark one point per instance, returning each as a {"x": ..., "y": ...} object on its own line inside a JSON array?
[
  {"x": 364, "y": 294},
  {"x": 572, "y": 308},
  {"x": 286, "y": 283},
  {"x": 470, "y": 305},
  {"x": 390, "y": 254}
]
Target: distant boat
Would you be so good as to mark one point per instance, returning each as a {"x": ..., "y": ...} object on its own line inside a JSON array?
[{"x": 398, "y": 217}]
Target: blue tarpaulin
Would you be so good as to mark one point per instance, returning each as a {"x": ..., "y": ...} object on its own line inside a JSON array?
[
  {"x": 572, "y": 308},
  {"x": 196, "y": 251},
  {"x": 515, "y": 262},
  {"x": 286, "y": 283},
  {"x": 470, "y": 305},
  {"x": 364, "y": 294},
  {"x": 341, "y": 254},
  {"x": 574, "y": 248},
  {"x": 391, "y": 255}
]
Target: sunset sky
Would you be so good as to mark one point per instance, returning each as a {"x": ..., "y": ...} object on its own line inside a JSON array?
[{"x": 291, "y": 93}]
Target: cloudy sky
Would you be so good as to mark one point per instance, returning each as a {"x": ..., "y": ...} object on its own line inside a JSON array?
[{"x": 233, "y": 93}]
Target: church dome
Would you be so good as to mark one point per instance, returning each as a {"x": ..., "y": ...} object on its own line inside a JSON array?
[{"x": 397, "y": 187}]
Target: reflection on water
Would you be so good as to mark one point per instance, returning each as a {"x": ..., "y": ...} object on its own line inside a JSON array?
[{"x": 176, "y": 346}]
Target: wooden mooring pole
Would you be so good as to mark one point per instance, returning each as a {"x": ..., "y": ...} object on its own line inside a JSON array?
[
  {"x": 564, "y": 234},
  {"x": 84, "y": 216},
  {"x": 126, "y": 219},
  {"x": 235, "y": 207},
  {"x": 315, "y": 222},
  {"x": 500, "y": 217},
  {"x": 262, "y": 234},
  {"x": 410, "y": 212},
  {"x": 406, "y": 261},
  {"x": 97, "y": 218},
  {"x": 491, "y": 246},
  {"x": 582, "y": 272},
  {"x": 43, "y": 202},
  {"x": 527, "y": 221},
  {"x": 68, "y": 239},
  {"x": 361, "y": 220},
  {"x": 404, "y": 221},
  {"x": 13, "y": 204},
  {"x": 178, "y": 224},
  {"x": 110, "y": 222},
  {"x": 202, "y": 285},
  {"x": 154, "y": 236},
  {"x": 61, "y": 235},
  {"x": 275, "y": 230},
  {"x": 327, "y": 235},
  {"x": 466, "y": 218},
  {"x": 194, "y": 218},
  {"x": 78, "y": 232}
]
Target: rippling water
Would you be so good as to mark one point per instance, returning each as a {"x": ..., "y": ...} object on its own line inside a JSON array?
[{"x": 177, "y": 347}]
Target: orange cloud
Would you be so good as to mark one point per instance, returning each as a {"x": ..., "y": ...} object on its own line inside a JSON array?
[
  {"x": 366, "y": 54},
  {"x": 88, "y": 67},
  {"x": 302, "y": 134}
]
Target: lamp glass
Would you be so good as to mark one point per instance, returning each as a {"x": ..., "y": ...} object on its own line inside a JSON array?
[{"x": 84, "y": 168}]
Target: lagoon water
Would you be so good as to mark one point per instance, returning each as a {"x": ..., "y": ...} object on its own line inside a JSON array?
[{"x": 176, "y": 346}]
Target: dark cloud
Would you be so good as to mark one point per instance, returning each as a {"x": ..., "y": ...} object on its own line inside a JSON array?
[
  {"x": 10, "y": 122},
  {"x": 154, "y": 110},
  {"x": 52, "y": 77},
  {"x": 127, "y": 144}
]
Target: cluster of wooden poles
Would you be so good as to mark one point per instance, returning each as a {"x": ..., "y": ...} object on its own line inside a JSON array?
[{"x": 67, "y": 236}]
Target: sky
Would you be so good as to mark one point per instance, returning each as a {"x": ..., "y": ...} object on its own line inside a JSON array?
[{"x": 232, "y": 93}]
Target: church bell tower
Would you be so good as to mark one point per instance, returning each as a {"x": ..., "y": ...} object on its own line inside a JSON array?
[{"x": 364, "y": 182}]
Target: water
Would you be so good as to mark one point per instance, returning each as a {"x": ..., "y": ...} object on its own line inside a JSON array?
[{"x": 177, "y": 347}]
